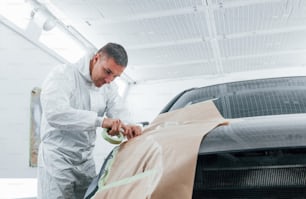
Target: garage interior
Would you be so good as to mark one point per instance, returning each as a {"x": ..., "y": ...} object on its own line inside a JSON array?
[{"x": 172, "y": 45}]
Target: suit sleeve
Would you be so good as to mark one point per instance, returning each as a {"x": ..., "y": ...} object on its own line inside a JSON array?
[{"x": 55, "y": 101}]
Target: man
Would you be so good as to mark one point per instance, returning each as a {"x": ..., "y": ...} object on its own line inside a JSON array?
[{"x": 74, "y": 100}]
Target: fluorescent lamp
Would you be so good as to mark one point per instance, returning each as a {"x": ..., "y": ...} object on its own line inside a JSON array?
[
  {"x": 16, "y": 11},
  {"x": 44, "y": 19},
  {"x": 63, "y": 44}
]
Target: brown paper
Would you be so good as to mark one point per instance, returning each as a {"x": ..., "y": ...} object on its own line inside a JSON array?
[{"x": 160, "y": 164}]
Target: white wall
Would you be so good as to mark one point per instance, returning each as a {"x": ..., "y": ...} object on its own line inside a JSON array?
[{"x": 23, "y": 66}]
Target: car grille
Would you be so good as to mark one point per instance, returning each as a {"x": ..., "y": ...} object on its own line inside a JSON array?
[{"x": 269, "y": 174}]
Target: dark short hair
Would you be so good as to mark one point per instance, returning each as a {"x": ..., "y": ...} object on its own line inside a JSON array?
[{"x": 115, "y": 51}]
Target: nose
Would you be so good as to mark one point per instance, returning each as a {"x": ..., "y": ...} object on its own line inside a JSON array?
[{"x": 109, "y": 79}]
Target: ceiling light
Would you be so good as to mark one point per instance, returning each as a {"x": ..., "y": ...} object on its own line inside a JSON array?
[
  {"x": 63, "y": 43},
  {"x": 43, "y": 18}
]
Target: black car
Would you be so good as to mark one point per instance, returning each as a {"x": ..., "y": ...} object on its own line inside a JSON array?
[
  {"x": 263, "y": 155},
  {"x": 260, "y": 155}
]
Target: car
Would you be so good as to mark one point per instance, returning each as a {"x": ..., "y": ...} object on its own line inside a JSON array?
[{"x": 261, "y": 153}]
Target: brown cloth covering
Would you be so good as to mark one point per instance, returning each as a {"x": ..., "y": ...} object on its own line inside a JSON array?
[{"x": 160, "y": 164}]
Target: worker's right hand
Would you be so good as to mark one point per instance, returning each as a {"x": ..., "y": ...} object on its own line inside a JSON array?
[{"x": 131, "y": 131}]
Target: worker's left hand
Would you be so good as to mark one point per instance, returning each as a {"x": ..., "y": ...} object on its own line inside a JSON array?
[{"x": 131, "y": 131}]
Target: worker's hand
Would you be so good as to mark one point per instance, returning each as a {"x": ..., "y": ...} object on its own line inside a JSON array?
[
  {"x": 114, "y": 126},
  {"x": 131, "y": 131}
]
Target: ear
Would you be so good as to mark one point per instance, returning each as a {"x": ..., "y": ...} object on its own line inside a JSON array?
[{"x": 96, "y": 57}]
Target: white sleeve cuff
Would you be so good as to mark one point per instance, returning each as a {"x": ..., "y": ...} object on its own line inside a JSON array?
[{"x": 99, "y": 121}]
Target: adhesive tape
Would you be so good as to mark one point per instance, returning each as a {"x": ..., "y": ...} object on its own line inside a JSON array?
[{"x": 116, "y": 139}]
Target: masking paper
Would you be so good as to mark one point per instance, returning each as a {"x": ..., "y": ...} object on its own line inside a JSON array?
[{"x": 161, "y": 163}]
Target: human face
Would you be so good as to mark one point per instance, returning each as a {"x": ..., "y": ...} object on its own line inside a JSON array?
[{"x": 104, "y": 70}]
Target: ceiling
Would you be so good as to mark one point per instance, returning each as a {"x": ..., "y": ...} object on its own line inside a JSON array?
[{"x": 174, "y": 39}]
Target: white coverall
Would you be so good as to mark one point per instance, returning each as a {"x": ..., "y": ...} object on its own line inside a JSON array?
[{"x": 72, "y": 110}]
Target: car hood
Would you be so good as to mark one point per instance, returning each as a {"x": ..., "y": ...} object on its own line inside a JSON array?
[{"x": 253, "y": 133}]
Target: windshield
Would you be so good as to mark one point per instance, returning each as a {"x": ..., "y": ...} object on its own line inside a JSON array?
[{"x": 249, "y": 98}]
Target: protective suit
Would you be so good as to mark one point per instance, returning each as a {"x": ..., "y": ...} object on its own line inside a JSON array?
[{"x": 72, "y": 110}]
